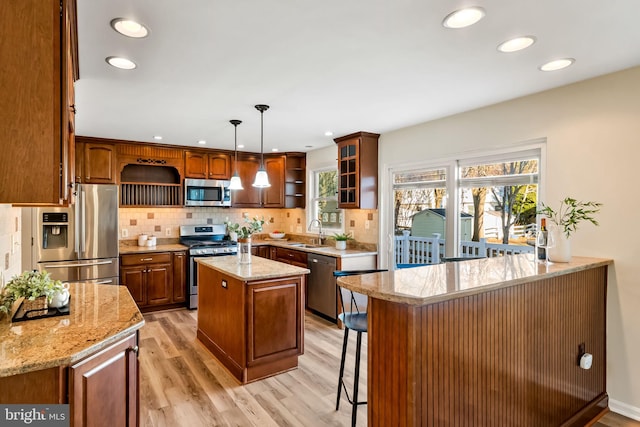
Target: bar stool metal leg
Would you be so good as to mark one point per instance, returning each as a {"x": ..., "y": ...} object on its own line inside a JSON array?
[
  {"x": 344, "y": 354},
  {"x": 356, "y": 380}
]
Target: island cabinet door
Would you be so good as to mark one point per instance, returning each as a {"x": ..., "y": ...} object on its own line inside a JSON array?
[
  {"x": 274, "y": 322},
  {"x": 103, "y": 389}
]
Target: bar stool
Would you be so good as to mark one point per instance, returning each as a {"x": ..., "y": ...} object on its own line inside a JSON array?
[{"x": 353, "y": 319}]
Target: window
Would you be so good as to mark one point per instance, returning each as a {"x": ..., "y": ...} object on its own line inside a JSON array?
[
  {"x": 324, "y": 200},
  {"x": 491, "y": 211}
]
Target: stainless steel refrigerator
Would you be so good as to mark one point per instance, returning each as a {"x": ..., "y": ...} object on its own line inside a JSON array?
[{"x": 78, "y": 243}]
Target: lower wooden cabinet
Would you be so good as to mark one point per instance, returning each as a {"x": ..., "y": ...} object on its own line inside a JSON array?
[
  {"x": 254, "y": 328},
  {"x": 290, "y": 256},
  {"x": 155, "y": 280},
  {"x": 103, "y": 389},
  {"x": 261, "y": 251}
]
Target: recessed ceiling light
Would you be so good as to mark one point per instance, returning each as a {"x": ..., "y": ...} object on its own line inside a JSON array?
[
  {"x": 157, "y": 137},
  {"x": 129, "y": 28},
  {"x": 516, "y": 44},
  {"x": 119, "y": 62},
  {"x": 328, "y": 133},
  {"x": 202, "y": 142},
  {"x": 240, "y": 145},
  {"x": 463, "y": 17},
  {"x": 274, "y": 149},
  {"x": 557, "y": 64}
]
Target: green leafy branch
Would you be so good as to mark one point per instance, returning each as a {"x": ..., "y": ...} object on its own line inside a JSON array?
[{"x": 571, "y": 213}]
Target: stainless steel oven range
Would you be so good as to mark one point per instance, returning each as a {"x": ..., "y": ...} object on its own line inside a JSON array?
[{"x": 203, "y": 241}]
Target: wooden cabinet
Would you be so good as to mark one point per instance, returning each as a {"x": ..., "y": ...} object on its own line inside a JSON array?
[
  {"x": 98, "y": 165},
  {"x": 294, "y": 183},
  {"x": 251, "y": 197},
  {"x": 290, "y": 256},
  {"x": 203, "y": 165},
  {"x": 179, "y": 276},
  {"x": 358, "y": 171},
  {"x": 103, "y": 388},
  {"x": 155, "y": 280},
  {"x": 38, "y": 51},
  {"x": 254, "y": 328},
  {"x": 262, "y": 251}
]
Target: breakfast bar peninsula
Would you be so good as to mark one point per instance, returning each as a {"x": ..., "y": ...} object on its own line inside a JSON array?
[
  {"x": 251, "y": 316},
  {"x": 489, "y": 342}
]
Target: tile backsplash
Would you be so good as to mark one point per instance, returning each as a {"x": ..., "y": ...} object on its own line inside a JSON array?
[
  {"x": 165, "y": 222},
  {"x": 10, "y": 245}
]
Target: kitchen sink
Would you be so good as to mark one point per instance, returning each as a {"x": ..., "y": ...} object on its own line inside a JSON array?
[{"x": 305, "y": 245}]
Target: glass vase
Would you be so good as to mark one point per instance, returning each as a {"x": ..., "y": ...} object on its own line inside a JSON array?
[{"x": 244, "y": 250}]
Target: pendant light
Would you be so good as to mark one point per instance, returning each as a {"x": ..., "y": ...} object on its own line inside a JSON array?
[
  {"x": 262, "y": 180},
  {"x": 236, "y": 182}
]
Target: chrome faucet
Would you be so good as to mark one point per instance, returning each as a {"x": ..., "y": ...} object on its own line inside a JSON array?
[{"x": 320, "y": 233}]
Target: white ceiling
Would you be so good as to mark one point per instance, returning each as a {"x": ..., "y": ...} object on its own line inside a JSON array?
[{"x": 339, "y": 65}]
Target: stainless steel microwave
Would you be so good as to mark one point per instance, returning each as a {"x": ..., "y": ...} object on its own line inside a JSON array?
[{"x": 206, "y": 192}]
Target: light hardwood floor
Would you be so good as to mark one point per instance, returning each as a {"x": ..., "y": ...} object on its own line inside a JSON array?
[{"x": 182, "y": 384}]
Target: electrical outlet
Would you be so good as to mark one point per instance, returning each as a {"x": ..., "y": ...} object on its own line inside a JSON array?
[
  {"x": 298, "y": 229},
  {"x": 167, "y": 231},
  {"x": 350, "y": 233},
  {"x": 125, "y": 232},
  {"x": 367, "y": 224}
]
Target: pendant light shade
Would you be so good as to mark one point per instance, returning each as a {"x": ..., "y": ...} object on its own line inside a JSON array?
[
  {"x": 262, "y": 180},
  {"x": 236, "y": 182}
]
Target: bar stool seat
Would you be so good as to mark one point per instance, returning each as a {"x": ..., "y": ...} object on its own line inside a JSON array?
[{"x": 353, "y": 319}]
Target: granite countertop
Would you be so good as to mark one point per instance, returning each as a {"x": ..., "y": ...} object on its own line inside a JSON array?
[
  {"x": 327, "y": 250},
  {"x": 259, "y": 269},
  {"x": 440, "y": 282},
  {"x": 126, "y": 249},
  {"x": 100, "y": 315}
]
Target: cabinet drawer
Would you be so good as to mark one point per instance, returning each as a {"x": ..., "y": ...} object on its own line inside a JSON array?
[
  {"x": 291, "y": 256},
  {"x": 145, "y": 258}
]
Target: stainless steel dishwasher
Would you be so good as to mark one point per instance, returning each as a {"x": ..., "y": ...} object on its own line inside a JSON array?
[{"x": 321, "y": 286}]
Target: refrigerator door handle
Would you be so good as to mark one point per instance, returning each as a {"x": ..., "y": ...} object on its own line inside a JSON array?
[
  {"x": 104, "y": 282},
  {"x": 83, "y": 235},
  {"x": 76, "y": 225},
  {"x": 86, "y": 264}
]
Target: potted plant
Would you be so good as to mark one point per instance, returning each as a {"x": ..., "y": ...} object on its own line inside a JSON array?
[
  {"x": 244, "y": 233},
  {"x": 36, "y": 287},
  {"x": 565, "y": 221},
  {"x": 341, "y": 240}
]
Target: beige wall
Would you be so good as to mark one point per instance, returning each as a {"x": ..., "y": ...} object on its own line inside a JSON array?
[
  {"x": 9, "y": 243},
  {"x": 592, "y": 130}
]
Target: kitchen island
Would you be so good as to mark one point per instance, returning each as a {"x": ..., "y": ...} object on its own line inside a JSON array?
[
  {"x": 251, "y": 316},
  {"x": 487, "y": 342},
  {"x": 87, "y": 358}
]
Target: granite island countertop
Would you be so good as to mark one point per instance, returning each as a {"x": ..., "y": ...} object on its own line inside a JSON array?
[
  {"x": 440, "y": 282},
  {"x": 99, "y": 316},
  {"x": 258, "y": 269}
]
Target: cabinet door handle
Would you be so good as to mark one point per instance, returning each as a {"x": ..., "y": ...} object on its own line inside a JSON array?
[
  {"x": 133, "y": 349},
  {"x": 146, "y": 259}
]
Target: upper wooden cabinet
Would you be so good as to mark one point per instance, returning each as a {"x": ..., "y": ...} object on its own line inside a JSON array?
[
  {"x": 251, "y": 197},
  {"x": 98, "y": 165},
  {"x": 203, "y": 165},
  {"x": 38, "y": 52},
  {"x": 294, "y": 183},
  {"x": 358, "y": 171}
]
